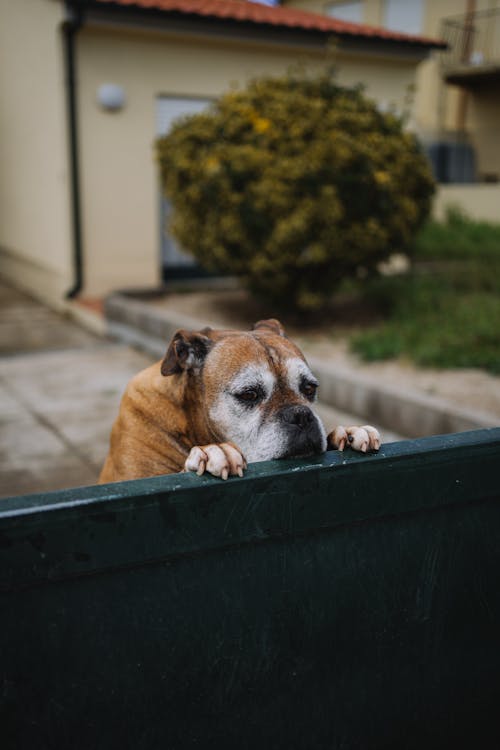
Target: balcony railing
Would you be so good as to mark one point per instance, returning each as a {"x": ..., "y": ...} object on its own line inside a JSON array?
[{"x": 473, "y": 46}]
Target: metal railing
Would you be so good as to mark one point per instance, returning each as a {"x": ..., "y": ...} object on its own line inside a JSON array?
[{"x": 473, "y": 39}]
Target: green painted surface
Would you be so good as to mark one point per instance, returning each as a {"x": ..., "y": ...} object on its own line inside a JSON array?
[{"x": 343, "y": 602}]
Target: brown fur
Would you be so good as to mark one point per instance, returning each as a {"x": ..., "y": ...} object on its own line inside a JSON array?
[{"x": 162, "y": 416}]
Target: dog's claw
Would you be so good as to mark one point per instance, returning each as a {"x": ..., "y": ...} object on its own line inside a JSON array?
[
  {"x": 221, "y": 460},
  {"x": 363, "y": 439},
  {"x": 373, "y": 437},
  {"x": 338, "y": 438}
]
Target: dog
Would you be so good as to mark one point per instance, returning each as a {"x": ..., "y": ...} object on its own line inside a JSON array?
[{"x": 219, "y": 400}]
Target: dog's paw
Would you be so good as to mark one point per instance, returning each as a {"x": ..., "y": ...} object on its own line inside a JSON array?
[
  {"x": 221, "y": 460},
  {"x": 365, "y": 438}
]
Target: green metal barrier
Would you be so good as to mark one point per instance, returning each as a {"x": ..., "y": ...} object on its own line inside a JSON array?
[{"x": 346, "y": 601}]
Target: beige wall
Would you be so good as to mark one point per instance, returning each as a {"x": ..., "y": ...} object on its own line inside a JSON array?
[
  {"x": 119, "y": 177},
  {"x": 436, "y": 103},
  {"x": 480, "y": 202},
  {"x": 34, "y": 211},
  {"x": 483, "y": 120},
  {"x": 386, "y": 80}
]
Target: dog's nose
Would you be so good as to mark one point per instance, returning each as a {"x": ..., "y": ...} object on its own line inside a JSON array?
[{"x": 301, "y": 416}]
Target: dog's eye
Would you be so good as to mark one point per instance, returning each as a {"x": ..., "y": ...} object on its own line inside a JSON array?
[
  {"x": 309, "y": 390},
  {"x": 250, "y": 396}
]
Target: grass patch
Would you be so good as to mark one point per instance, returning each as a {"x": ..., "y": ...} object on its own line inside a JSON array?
[
  {"x": 458, "y": 238},
  {"x": 446, "y": 311}
]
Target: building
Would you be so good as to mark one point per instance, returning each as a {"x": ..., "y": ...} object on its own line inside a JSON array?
[{"x": 87, "y": 86}]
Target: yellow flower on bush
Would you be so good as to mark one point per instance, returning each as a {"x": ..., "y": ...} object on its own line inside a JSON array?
[
  {"x": 211, "y": 165},
  {"x": 382, "y": 177},
  {"x": 261, "y": 124}
]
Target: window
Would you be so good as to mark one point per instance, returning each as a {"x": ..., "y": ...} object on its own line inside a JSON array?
[
  {"x": 352, "y": 11},
  {"x": 404, "y": 15},
  {"x": 175, "y": 263},
  {"x": 170, "y": 108}
]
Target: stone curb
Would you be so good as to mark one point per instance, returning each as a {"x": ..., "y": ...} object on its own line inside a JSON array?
[{"x": 409, "y": 413}]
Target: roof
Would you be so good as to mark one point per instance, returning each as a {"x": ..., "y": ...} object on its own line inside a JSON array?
[{"x": 245, "y": 12}]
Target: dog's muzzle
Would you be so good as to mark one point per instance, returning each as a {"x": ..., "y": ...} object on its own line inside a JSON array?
[{"x": 303, "y": 431}]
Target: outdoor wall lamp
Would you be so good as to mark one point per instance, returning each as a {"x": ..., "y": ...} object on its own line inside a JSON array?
[{"x": 111, "y": 97}]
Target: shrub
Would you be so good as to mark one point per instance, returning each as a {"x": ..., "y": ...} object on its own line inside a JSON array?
[{"x": 294, "y": 183}]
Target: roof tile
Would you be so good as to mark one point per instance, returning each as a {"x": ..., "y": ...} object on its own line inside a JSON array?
[{"x": 254, "y": 12}]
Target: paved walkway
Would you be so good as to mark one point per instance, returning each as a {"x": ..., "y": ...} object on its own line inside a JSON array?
[{"x": 60, "y": 388}]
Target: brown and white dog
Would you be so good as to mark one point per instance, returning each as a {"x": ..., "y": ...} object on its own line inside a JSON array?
[{"x": 218, "y": 400}]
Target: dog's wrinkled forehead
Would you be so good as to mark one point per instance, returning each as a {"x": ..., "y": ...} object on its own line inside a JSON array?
[
  {"x": 243, "y": 359},
  {"x": 291, "y": 372}
]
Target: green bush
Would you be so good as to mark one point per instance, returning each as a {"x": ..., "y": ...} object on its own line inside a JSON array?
[{"x": 294, "y": 183}]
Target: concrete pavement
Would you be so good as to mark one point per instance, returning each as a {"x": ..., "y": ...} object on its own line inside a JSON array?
[{"x": 60, "y": 387}]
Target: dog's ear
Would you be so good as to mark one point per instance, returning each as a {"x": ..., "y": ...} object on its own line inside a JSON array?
[
  {"x": 272, "y": 325},
  {"x": 187, "y": 351}
]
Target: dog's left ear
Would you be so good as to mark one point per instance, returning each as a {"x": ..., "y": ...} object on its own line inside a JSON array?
[
  {"x": 271, "y": 324},
  {"x": 187, "y": 351}
]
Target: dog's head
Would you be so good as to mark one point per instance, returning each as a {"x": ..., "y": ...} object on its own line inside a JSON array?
[{"x": 256, "y": 389}]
